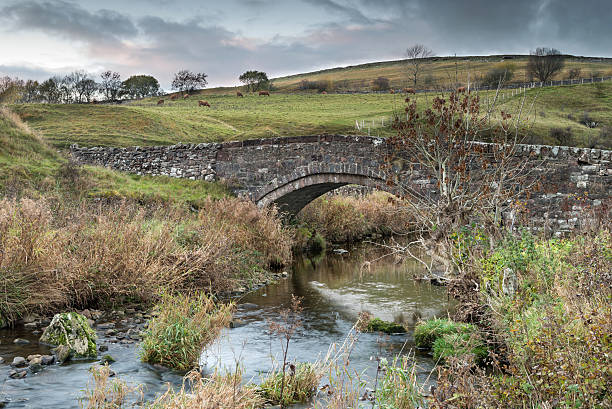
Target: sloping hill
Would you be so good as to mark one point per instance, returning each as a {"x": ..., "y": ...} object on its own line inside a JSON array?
[{"x": 436, "y": 71}]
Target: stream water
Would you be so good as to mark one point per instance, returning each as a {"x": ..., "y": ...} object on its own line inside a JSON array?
[{"x": 334, "y": 289}]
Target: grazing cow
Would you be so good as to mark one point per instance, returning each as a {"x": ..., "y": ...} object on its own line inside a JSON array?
[
  {"x": 264, "y": 93},
  {"x": 239, "y": 94},
  {"x": 409, "y": 91},
  {"x": 160, "y": 102},
  {"x": 185, "y": 96},
  {"x": 203, "y": 103},
  {"x": 173, "y": 97},
  {"x": 391, "y": 91},
  {"x": 460, "y": 90}
]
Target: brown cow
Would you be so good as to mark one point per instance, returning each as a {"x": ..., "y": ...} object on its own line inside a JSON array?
[
  {"x": 460, "y": 90},
  {"x": 203, "y": 103},
  {"x": 185, "y": 96},
  {"x": 391, "y": 91},
  {"x": 160, "y": 102},
  {"x": 409, "y": 91},
  {"x": 264, "y": 93},
  {"x": 173, "y": 97},
  {"x": 239, "y": 94}
]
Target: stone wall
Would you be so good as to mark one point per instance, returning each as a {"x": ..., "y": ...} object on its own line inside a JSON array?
[{"x": 292, "y": 171}]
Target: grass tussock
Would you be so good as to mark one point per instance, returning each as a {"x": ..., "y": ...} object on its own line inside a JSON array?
[
  {"x": 343, "y": 219},
  {"x": 399, "y": 388},
  {"x": 54, "y": 255},
  {"x": 217, "y": 391},
  {"x": 300, "y": 384},
  {"x": 184, "y": 326}
]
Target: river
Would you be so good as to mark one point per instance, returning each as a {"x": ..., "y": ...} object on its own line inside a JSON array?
[{"x": 334, "y": 288}]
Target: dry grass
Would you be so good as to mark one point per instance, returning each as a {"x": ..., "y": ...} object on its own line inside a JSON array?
[
  {"x": 351, "y": 218},
  {"x": 218, "y": 391},
  {"x": 104, "y": 393},
  {"x": 54, "y": 255}
]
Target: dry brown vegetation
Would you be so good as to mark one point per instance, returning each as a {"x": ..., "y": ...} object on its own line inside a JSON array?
[
  {"x": 54, "y": 255},
  {"x": 351, "y": 218}
]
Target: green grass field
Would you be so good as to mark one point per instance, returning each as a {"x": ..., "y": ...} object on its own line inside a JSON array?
[{"x": 283, "y": 114}]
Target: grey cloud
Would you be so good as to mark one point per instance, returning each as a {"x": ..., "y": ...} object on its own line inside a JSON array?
[
  {"x": 69, "y": 20},
  {"x": 352, "y": 13}
]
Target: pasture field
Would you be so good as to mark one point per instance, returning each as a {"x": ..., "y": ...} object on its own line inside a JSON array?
[
  {"x": 436, "y": 71},
  {"x": 282, "y": 114}
]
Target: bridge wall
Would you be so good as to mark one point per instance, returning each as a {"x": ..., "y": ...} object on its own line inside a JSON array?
[{"x": 301, "y": 168}]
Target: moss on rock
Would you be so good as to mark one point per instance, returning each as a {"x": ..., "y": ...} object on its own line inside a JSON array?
[
  {"x": 378, "y": 325},
  {"x": 72, "y": 330}
]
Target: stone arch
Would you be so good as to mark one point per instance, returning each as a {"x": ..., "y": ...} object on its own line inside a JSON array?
[{"x": 291, "y": 196}]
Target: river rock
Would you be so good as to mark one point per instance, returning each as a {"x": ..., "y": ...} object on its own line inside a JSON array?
[
  {"x": 17, "y": 374},
  {"x": 1, "y": 360},
  {"x": 62, "y": 353},
  {"x": 106, "y": 325},
  {"x": 107, "y": 359},
  {"x": 35, "y": 368},
  {"x": 19, "y": 362},
  {"x": 47, "y": 359},
  {"x": 20, "y": 341},
  {"x": 72, "y": 330},
  {"x": 103, "y": 348}
]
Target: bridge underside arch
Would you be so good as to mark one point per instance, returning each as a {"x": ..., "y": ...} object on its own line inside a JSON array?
[{"x": 294, "y": 195}]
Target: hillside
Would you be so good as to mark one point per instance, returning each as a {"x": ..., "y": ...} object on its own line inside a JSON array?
[
  {"x": 282, "y": 114},
  {"x": 29, "y": 166},
  {"x": 436, "y": 71}
]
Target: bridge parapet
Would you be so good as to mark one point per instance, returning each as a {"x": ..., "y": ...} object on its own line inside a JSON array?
[{"x": 292, "y": 171}]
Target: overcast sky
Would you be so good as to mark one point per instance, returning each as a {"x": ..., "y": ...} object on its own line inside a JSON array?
[{"x": 39, "y": 38}]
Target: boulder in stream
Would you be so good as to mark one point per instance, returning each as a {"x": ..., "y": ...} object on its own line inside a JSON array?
[{"x": 71, "y": 330}]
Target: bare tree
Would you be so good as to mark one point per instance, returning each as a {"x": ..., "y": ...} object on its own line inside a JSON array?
[
  {"x": 110, "y": 85},
  {"x": 544, "y": 63},
  {"x": 416, "y": 58},
  {"x": 470, "y": 182}
]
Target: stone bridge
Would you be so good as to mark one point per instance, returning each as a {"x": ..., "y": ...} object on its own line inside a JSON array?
[{"x": 293, "y": 171}]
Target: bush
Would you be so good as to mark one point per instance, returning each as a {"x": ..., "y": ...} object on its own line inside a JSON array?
[
  {"x": 427, "y": 332},
  {"x": 380, "y": 84},
  {"x": 184, "y": 327},
  {"x": 320, "y": 86},
  {"x": 300, "y": 384},
  {"x": 562, "y": 136},
  {"x": 501, "y": 73}
]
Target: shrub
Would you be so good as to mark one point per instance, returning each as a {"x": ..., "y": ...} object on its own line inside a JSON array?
[
  {"x": 574, "y": 73},
  {"x": 320, "y": 86},
  {"x": 184, "y": 327},
  {"x": 300, "y": 384},
  {"x": 563, "y": 136},
  {"x": 587, "y": 121},
  {"x": 427, "y": 332},
  {"x": 501, "y": 73},
  {"x": 380, "y": 84}
]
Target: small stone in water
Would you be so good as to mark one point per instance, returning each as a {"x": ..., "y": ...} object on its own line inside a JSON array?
[
  {"x": 34, "y": 368},
  {"x": 1, "y": 360},
  {"x": 19, "y": 362},
  {"x": 17, "y": 374},
  {"x": 103, "y": 348},
  {"x": 31, "y": 357},
  {"x": 20, "y": 341}
]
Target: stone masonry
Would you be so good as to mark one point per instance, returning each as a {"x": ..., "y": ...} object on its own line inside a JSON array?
[{"x": 293, "y": 171}]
